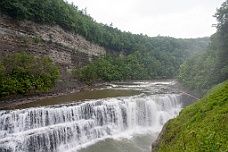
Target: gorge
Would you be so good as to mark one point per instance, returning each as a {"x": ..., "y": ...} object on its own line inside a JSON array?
[{"x": 137, "y": 94}]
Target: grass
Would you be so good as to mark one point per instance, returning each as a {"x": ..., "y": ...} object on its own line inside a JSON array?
[{"x": 201, "y": 127}]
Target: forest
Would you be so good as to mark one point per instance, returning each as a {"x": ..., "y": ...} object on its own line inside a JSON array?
[
  {"x": 143, "y": 57},
  {"x": 204, "y": 69}
]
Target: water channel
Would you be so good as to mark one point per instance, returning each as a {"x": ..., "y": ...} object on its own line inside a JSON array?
[{"x": 116, "y": 117}]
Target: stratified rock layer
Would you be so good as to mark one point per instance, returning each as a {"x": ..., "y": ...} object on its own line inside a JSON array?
[{"x": 65, "y": 48}]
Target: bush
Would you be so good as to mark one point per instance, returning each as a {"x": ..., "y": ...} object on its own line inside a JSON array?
[{"x": 22, "y": 73}]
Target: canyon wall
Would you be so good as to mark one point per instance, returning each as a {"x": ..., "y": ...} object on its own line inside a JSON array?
[{"x": 67, "y": 49}]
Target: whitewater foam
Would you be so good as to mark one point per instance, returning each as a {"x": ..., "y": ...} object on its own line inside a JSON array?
[{"x": 70, "y": 127}]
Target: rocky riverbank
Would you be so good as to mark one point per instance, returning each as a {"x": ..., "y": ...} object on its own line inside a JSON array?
[
  {"x": 15, "y": 100},
  {"x": 68, "y": 87}
]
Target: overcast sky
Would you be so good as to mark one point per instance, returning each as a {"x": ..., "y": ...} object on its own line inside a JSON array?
[{"x": 174, "y": 18}]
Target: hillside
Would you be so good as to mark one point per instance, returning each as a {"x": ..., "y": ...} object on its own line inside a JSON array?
[
  {"x": 77, "y": 44},
  {"x": 203, "y": 70},
  {"x": 199, "y": 127}
]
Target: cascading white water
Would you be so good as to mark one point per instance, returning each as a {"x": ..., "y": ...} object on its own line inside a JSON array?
[{"x": 68, "y": 126}]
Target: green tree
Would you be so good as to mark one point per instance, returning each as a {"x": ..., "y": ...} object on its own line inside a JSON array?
[
  {"x": 222, "y": 29},
  {"x": 204, "y": 70}
]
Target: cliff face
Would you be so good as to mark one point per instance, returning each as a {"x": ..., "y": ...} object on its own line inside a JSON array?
[{"x": 65, "y": 48}]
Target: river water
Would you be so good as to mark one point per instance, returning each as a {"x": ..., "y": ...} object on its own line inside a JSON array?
[{"x": 118, "y": 117}]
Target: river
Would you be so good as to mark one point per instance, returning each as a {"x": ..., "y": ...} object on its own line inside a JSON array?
[{"x": 117, "y": 117}]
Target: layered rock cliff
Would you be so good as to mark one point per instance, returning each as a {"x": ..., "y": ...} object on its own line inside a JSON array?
[{"x": 67, "y": 49}]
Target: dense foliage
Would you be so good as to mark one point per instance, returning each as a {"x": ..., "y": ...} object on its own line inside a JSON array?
[
  {"x": 22, "y": 73},
  {"x": 200, "y": 127},
  {"x": 138, "y": 65},
  {"x": 204, "y": 70},
  {"x": 134, "y": 66}
]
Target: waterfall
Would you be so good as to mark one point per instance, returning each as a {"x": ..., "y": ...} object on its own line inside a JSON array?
[{"x": 67, "y": 126}]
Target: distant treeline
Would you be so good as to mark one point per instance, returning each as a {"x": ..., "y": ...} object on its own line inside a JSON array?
[
  {"x": 138, "y": 65},
  {"x": 203, "y": 70}
]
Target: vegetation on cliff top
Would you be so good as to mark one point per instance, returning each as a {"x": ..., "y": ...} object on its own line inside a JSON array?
[{"x": 200, "y": 127}]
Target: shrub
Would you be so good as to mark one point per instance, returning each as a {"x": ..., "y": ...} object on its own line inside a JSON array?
[{"x": 22, "y": 73}]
